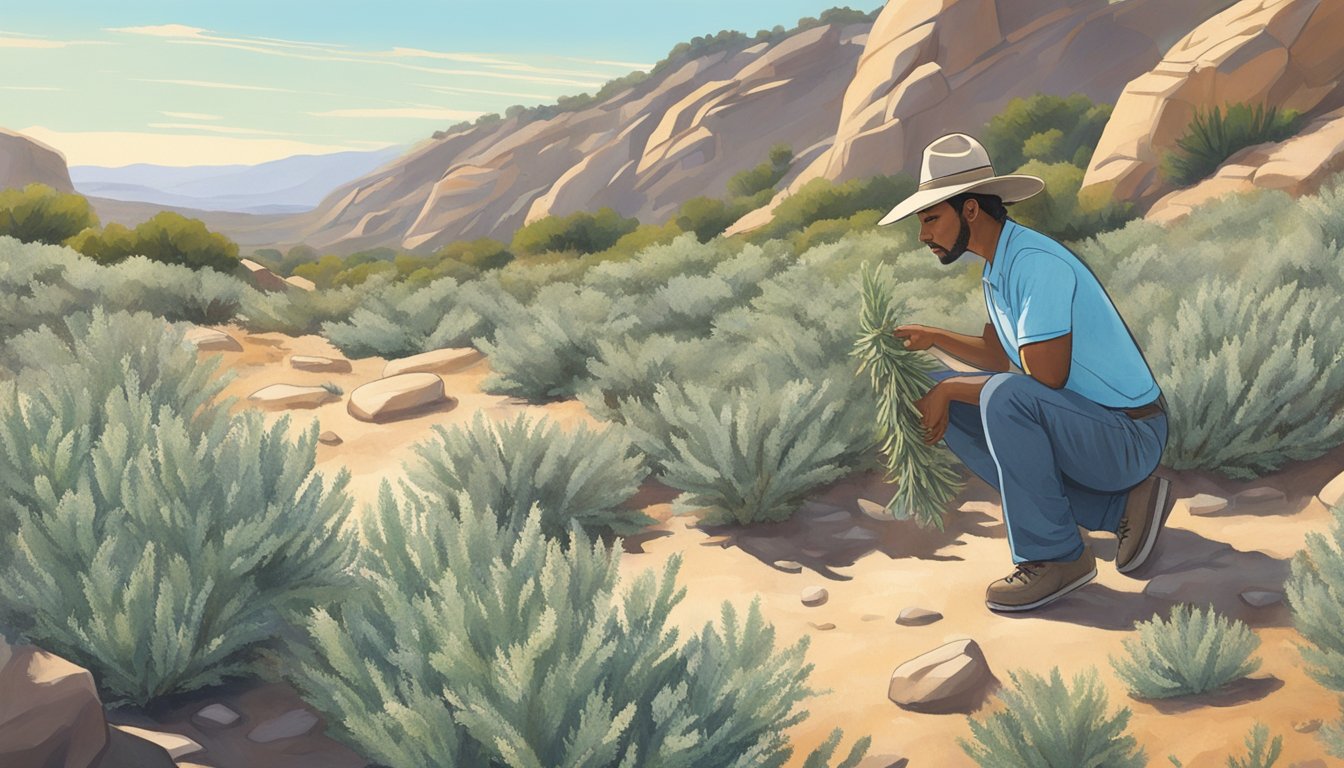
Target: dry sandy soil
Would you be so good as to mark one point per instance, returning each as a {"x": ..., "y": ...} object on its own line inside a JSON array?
[{"x": 870, "y": 582}]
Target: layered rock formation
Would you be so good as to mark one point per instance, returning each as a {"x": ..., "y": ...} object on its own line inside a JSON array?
[
  {"x": 25, "y": 161},
  {"x": 1282, "y": 53}
]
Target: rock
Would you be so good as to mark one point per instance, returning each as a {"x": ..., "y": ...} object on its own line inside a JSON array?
[
  {"x": 1257, "y": 499},
  {"x": 1307, "y": 726},
  {"x": 295, "y": 722},
  {"x": 50, "y": 715},
  {"x": 856, "y": 533},
  {"x": 824, "y": 627},
  {"x": 125, "y": 750},
  {"x": 262, "y": 277},
  {"x": 717, "y": 541},
  {"x": 396, "y": 396},
  {"x": 292, "y": 396},
  {"x": 176, "y": 745},
  {"x": 1332, "y": 495},
  {"x": 437, "y": 361},
  {"x": 918, "y": 617},
  {"x": 302, "y": 283},
  {"x": 211, "y": 340},
  {"x": 951, "y": 678},
  {"x": 875, "y": 511},
  {"x": 1261, "y": 598},
  {"x": 25, "y": 160},
  {"x": 815, "y": 596},
  {"x": 319, "y": 364},
  {"x": 1188, "y": 568},
  {"x": 329, "y": 438},
  {"x": 788, "y": 566},
  {"x": 1203, "y": 504},
  {"x": 216, "y": 716}
]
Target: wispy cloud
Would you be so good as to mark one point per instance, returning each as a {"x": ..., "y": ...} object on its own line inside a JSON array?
[
  {"x": 10, "y": 40},
  {"x": 407, "y": 113},
  {"x": 192, "y": 116},
  {"x": 218, "y": 129},
  {"x": 116, "y": 148},
  {"x": 29, "y": 88},
  {"x": 485, "y": 91},
  {"x": 209, "y": 84},
  {"x": 161, "y": 30}
]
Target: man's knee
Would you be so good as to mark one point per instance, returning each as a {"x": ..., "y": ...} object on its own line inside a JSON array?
[{"x": 1010, "y": 394}]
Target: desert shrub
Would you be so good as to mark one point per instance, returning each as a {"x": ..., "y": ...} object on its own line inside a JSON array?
[
  {"x": 654, "y": 266},
  {"x": 302, "y": 312},
  {"x": 582, "y": 232},
  {"x": 706, "y": 217},
  {"x": 1045, "y": 128},
  {"x": 746, "y": 454},
  {"x": 763, "y": 177},
  {"x": 542, "y": 352},
  {"x": 401, "y": 320},
  {"x": 582, "y": 475},
  {"x": 1195, "y": 650},
  {"x": 472, "y": 646},
  {"x": 632, "y": 367},
  {"x": 641, "y": 237},
  {"x": 1315, "y": 592},
  {"x": 1261, "y": 754},
  {"x": 155, "y": 542},
  {"x": 39, "y": 214},
  {"x": 167, "y": 237},
  {"x": 1048, "y": 724},
  {"x": 821, "y": 199},
  {"x": 1213, "y": 136},
  {"x": 1060, "y": 212},
  {"x": 483, "y": 253},
  {"x": 832, "y": 230}
]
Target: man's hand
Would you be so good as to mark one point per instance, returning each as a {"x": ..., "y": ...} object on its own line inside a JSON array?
[
  {"x": 916, "y": 336},
  {"x": 932, "y": 409}
]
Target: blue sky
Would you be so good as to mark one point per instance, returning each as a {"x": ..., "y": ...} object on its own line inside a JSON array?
[{"x": 187, "y": 83}]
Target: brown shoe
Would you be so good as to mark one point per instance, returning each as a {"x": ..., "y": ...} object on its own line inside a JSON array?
[
  {"x": 1035, "y": 584},
  {"x": 1146, "y": 509}
]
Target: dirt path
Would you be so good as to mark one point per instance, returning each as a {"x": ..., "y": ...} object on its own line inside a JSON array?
[{"x": 872, "y": 576}]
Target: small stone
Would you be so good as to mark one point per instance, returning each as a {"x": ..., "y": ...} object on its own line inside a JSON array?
[
  {"x": 1307, "y": 726},
  {"x": 824, "y": 627},
  {"x": 917, "y": 617},
  {"x": 717, "y": 541},
  {"x": 838, "y": 516},
  {"x": 319, "y": 364},
  {"x": 1261, "y": 598},
  {"x": 295, "y": 722},
  {"x": 1255, "y": 497},
  {"x": 857, "y": 534},
  {"x": 211, "y": 340},
  {"x": 874, "y": 510},
  {"x": 815, "y": 596},
  {"x": 216, "y": 716},
  {"x": 788, "y": 566},
  {"x": 329, "y": 438},
  {"x": 1204, "y": 504},
  {"x": 813, "y": 552},
  {"x": 175, "y": 744}
]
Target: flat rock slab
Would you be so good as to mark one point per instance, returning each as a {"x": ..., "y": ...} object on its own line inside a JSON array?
[
  {"x": 302, "y": 283},
  {"x": 1203, "y": 504},
  {"x": 175, "y": 744},
  {"x": 1261, "y": 598},
  {"x": 295, "y": 722},
  {"x": 857, "y": 534},
  {"x": 788, "y": 566},
  {"x": 395, "y": 396},
  {"x": 951, "y": 678},
  {"x": 717, "y": 541},
  {"x": 918, "y": 617},
  {"x": 437, "y": 361},
  {"x": 815, "y": 596},
  {"x": 1257, "y": 498},
  {"x": 216, "y": 716},
  {"x": 293, "y": 396},
  {"x": 211, "y": 340},
  {"x": 319, "y": 364},
  {"x": 823, "y": 627},
  {"x": 875, "y": 511}
]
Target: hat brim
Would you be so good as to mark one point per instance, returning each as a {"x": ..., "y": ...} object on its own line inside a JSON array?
[{"x": 1012, "y": 188}]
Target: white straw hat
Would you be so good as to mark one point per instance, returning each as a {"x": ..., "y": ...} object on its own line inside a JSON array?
[{"x": 956, "y": 163}]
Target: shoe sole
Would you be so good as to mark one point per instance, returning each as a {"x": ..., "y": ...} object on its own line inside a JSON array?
[
  {"x": 1163, "y": 509},
  {"x": 1048, "y": 598}
]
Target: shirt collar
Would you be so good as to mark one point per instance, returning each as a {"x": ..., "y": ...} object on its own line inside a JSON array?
[{"x": 995, "y": 271}]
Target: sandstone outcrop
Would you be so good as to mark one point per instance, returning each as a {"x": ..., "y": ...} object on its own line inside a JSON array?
[
  {"x": 264, "y": 279},
  {"x": 50, "y": 714},
  {"x": 293, "y": 396},
  {"x": 1281, "y": 53},
  {"x": 211, "y": 340},
  {"x": 25, "y": 161}
]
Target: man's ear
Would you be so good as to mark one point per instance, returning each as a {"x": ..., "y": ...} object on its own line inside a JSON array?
[{"x": 970, "y": 209}]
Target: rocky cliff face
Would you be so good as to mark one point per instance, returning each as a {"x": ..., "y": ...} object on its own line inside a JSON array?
[{"x": 25, "y": 161}]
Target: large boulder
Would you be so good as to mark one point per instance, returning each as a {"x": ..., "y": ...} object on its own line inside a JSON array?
[
  {"x": 951, "y": 678},
  {"x": 50, "y": 715},
  {"x": 1281, "y": 53},
  {"x": 264, "y": 278},
  {"x": 24, "y": 161},
  {"x": 396, "y": 396}
]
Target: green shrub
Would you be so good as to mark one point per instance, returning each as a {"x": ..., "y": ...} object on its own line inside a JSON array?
[
  {"x": 1045, "y": 128},
  {"x": 747, "y": 454},
  {"x": 1194, "y": 651},
  {"x": 302, "y": 312},
  {"x": 764, "y": 177},
  {"x": 155, "y": 542},
  {"x": 708, "y": 217},
  {"x": 581, "y": 232},
  {"x": 1060, "y": 212},
  {"x": 582, "y": 476},
  {"x": 1262, "y": 753},
  {"x": 40, "y": 214},
  {"x": 821, "y": 199},
  {"x": 832, "y": 230},
  {"x": 473, "y": 646},
  {"x": 168, "y": 237},
  {"x": 1213, "y": 136},
  {"x": 632, "y": 367},
  {"x": 1047, "y": 724},
  {"x": 402, "y": 320},
  {"x": 1315, "y": 593}
]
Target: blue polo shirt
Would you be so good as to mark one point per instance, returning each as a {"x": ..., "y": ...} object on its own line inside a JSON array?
[{"x": 1036, "y": 290}]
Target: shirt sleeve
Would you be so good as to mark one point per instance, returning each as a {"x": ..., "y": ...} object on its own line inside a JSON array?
[{"x": 1044, "y": 286}]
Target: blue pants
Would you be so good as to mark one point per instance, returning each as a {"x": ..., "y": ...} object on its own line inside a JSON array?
[{"x": 1058, "y": 459}]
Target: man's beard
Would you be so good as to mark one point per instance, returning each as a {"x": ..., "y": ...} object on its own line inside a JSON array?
[{"x": 958, "y": 248}]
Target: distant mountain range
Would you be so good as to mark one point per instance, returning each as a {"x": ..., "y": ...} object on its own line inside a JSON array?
[{"x": 292, "y": 185}]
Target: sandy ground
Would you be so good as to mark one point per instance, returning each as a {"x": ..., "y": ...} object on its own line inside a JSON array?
[{"x": 871, "y": 582}]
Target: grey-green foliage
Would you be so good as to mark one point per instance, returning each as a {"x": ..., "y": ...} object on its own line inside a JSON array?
[
  {"x": 1262, "y": 753},
  {"x": 401, "y": 320},
  {"x": 471, "y": 645},
  {"x": 583, "y": 476},
  {"x": 1048, "y": 724},
  {"x": 1195, "y": 650},
  {"x": 747, "y": 454},
  {"x": 154, "y": 539},
  {"x": 926, "y": 476},
  {"x": 1315, "y": 592}
]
